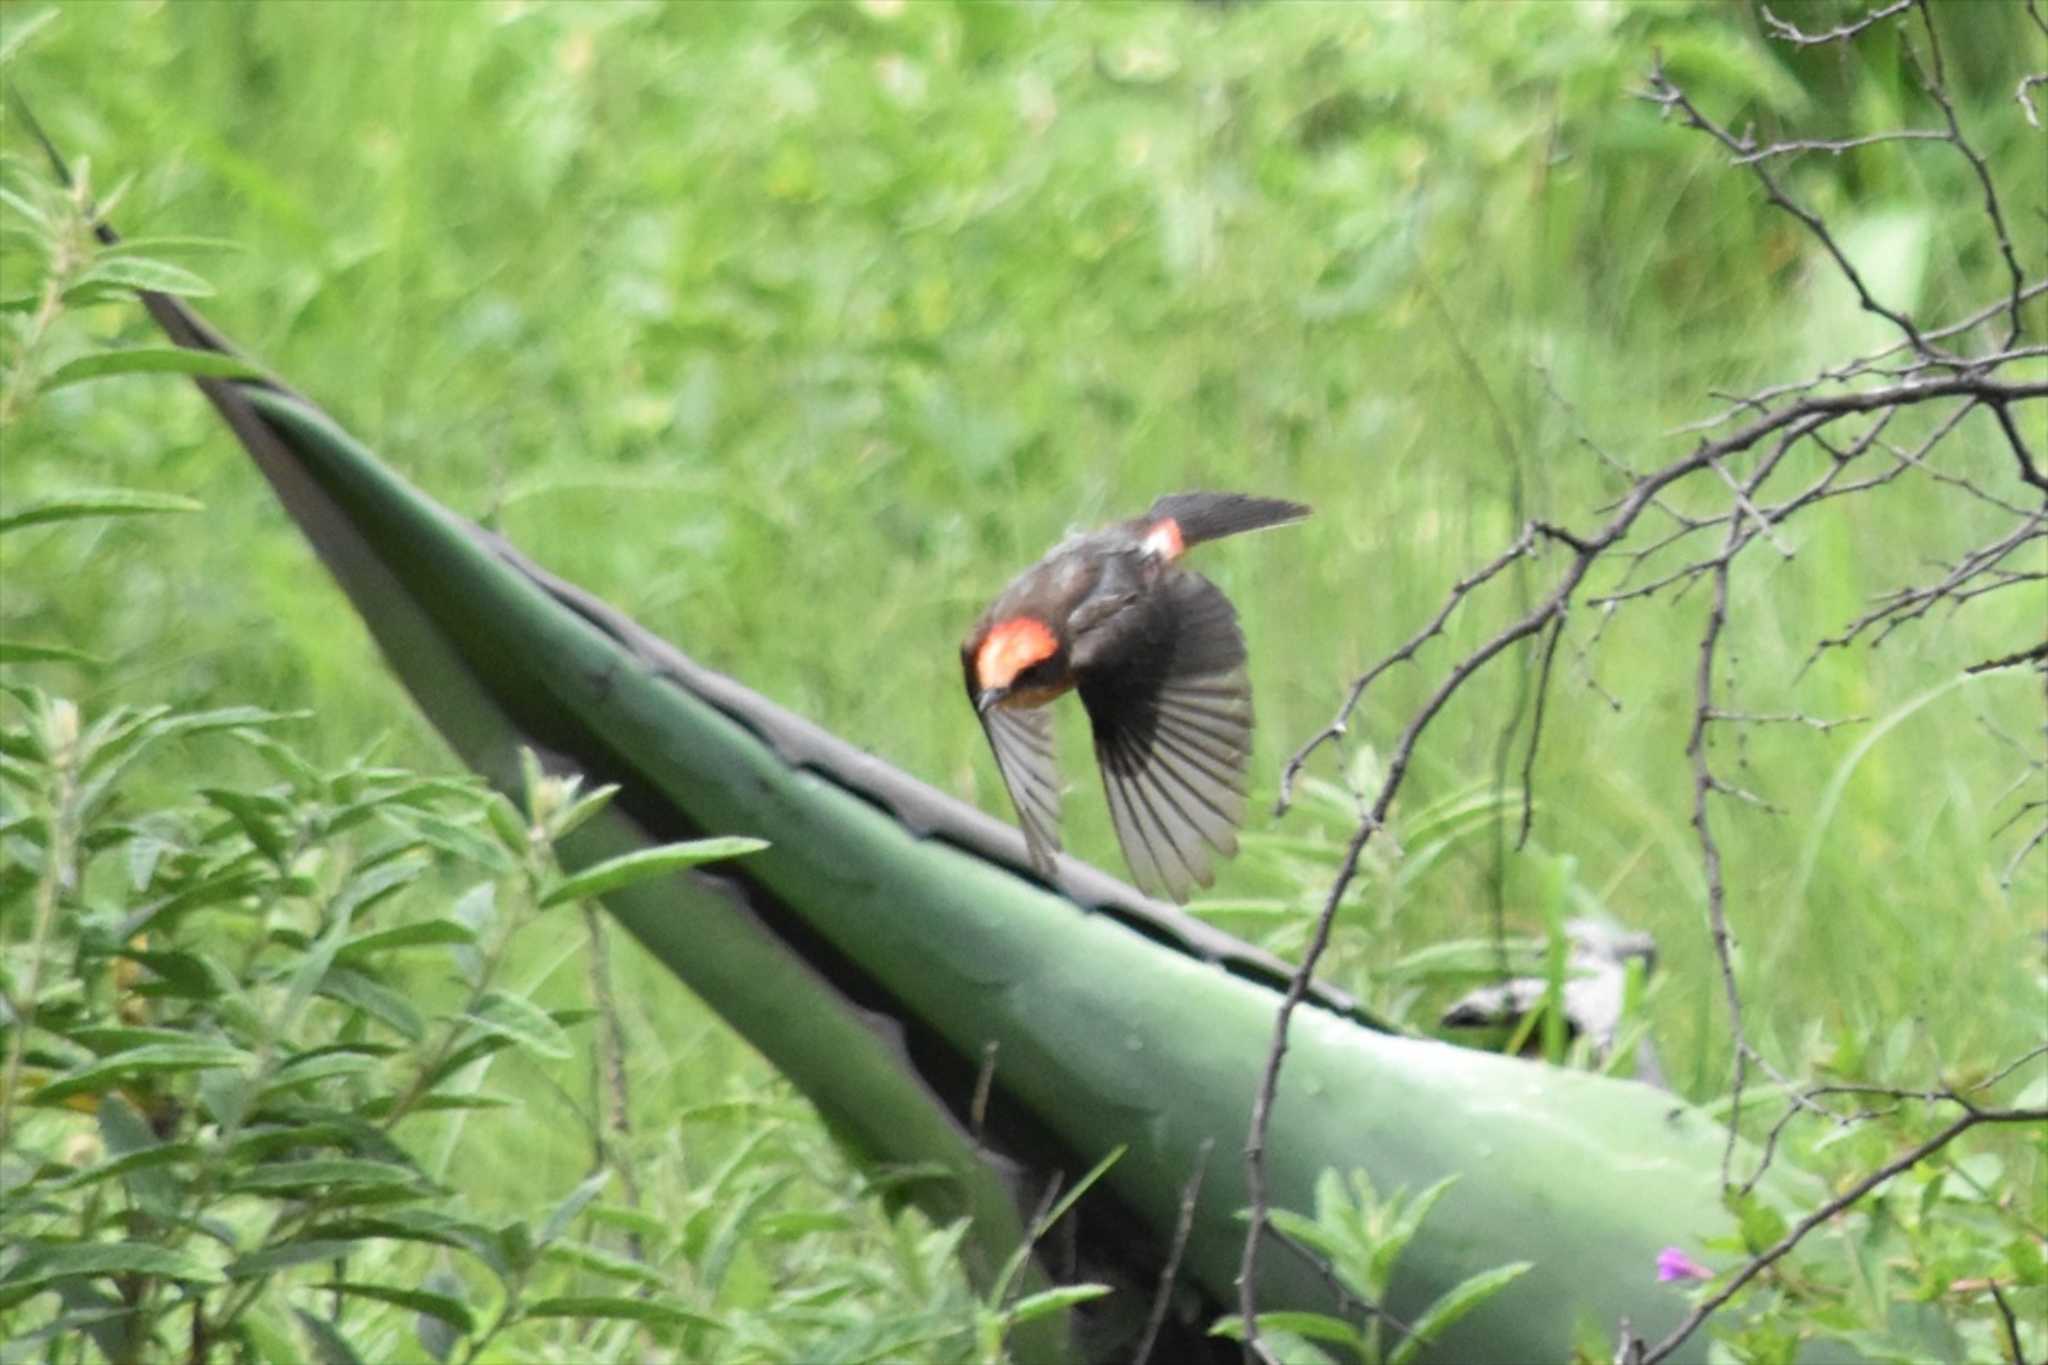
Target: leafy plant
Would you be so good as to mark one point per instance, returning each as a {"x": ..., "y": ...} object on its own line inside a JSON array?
[
  {"x": 220, "y": 1033},
  {"x": 1360, "y": 1236}
]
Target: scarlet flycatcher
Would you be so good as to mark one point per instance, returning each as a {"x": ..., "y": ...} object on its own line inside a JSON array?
[{"x": 1155, "y": 652}]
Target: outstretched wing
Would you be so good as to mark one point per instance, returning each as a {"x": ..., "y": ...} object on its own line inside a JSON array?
[
  {"x": 1171, "y": 706},
  {"x": 1023, "y": 744}
]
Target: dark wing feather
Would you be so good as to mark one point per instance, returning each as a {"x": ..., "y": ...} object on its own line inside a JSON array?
[
  {"x": 1170, "y": 703},
  {"x": 1211, "y": 516},
  {"x": 1023, "y": 744}
]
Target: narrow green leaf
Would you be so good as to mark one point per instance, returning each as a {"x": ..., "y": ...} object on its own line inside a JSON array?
[
  {"x": 380, "y": 1105},
  {"x": 1455, "y": 1304},
  {"x": 182, "y": 974},
  {"x": 1404, "y": 1226},
  {"x": 374, "y": 998},
  {"x": 1761, "y": 1222},
  {"x": 1049, "y": 1301},
  {"x": 506, "y": 822},
  {"x": 446, "y": 1307},
  {"x": 512, "y": 1248},
  {"x": 324, "y": 1067},
  {"x": 330, "y": 1347},
  {"x": 522, "y": 1022},
  {"x": 105, "y": 1073},
  {"x": 646, "y": 863},
  {"x": 477, "y": 911},
  {"x": 285, "y": 1255},
  {"x": 147, "y": 1158},
  {"x": 598, "y": 1261},
  {"x": 422, "y": 1226},
  {"x": 376, "y": 881},
  {"x": 1314, "y": 1326},
  {"x": 9, "y": 199},
  {"x": 23, "y": 31},
  {"x": 437, "y": 1336},
  {"x": 468, "y": 1053},
  {"x": 122, "y": 273},
  {"x": 1308, "y": 1232},
  {"x": 1285, "y": 1347},
  {"x": 460, "y": 842},
  {"x": 583, "y": 808},
  {"x": 105, "y": 1039},
  {"x": 632, "y": 1310},
  {"x": 40, "y": 1266},
  {"x": 96, "y": 502},
  {"x": 29, "y": 652},
  {"x": 127, "y": 1133},
  {"x": 532, "y": 778},
  {"x": 149, "y": 360},
  {"x": 257, "y": 817},
  {"x": 332, "y": 1173},
  {"x": 573, "y": 1204},
  {"x": 418, "y": 934},
  {"x": 168, "y": 245}
]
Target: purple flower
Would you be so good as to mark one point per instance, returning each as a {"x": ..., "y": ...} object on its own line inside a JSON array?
[{"x": 1674, "y": 1264}]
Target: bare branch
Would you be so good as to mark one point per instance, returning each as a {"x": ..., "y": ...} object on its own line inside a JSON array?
[
  {"x": 1662, "y": 92},
  {"x": 1837, "y": 146},
  {"x": 1162, "y": 1298},
  {"x": 1935, "y": 84},
  {"x": 1804, "y": 429},
  {"x": 2024, "y": 95},
  {"x": 1841, "y": 33}
]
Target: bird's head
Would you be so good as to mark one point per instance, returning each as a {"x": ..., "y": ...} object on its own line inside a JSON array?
[{"x": 1017, "y": 661}]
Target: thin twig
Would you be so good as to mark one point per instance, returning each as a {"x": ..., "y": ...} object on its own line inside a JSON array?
[{"x": 1162, "y": 1298}]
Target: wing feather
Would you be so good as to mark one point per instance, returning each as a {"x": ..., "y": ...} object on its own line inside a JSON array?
[
  {"x": 1023, "y": 743},
  {"x": 1170, "y": 703}
]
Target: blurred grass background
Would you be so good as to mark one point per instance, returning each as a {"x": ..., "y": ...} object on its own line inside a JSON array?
[{"x": 795, "y": 329}]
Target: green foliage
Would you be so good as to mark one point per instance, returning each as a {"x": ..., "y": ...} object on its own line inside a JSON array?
[
  {"x": 1913, "y": 1272},
  {"x": 794, "y": 328},
  {"x": 223, "y": 1036},
  {"x": 1361, "y": 1236}
]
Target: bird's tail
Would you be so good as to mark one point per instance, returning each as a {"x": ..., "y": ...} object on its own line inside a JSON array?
[{"x": 1211, "y": 516}]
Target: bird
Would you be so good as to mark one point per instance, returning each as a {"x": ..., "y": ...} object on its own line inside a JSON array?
[{"x": 1155, "y": 652}]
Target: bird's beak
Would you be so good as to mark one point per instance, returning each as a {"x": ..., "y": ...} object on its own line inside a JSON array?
[{"x": 989, "y": 697}]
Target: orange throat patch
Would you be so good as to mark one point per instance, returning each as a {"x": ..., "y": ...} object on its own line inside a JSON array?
[{"x": 1008, "y": 649}]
